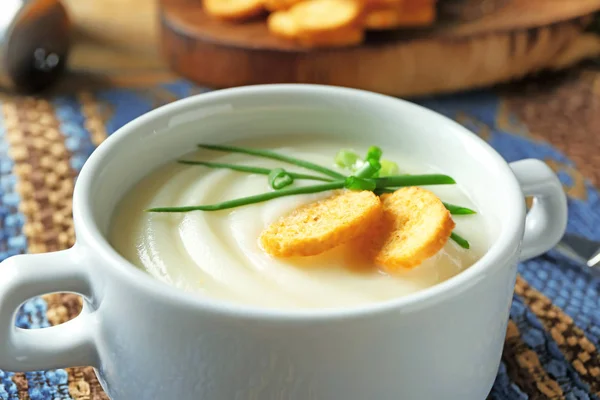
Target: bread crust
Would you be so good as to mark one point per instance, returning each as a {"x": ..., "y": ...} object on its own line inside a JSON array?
[
  {"x": 322, "y": 225},
  {"x": 419, "y": 227}
]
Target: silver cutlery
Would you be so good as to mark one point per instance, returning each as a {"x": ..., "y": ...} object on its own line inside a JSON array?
[{"x": 580, "y": 250}]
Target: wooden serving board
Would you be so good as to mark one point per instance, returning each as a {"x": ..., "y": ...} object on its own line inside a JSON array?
[{"x": 522, "y": 37}]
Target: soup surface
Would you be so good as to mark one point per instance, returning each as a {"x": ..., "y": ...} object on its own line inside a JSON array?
[{"x": 218, "y": 253}]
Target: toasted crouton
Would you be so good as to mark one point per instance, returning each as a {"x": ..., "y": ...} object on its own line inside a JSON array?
[
  {"x": 317, "y": 16},
  {"x": 279, "y": 5},
  {"x": 420, "y": 227},
  {"x": 323, "y": 225},
  {"x": 365, "y": 247},
  {"x": 282, "y": 24},
  {"x": 234, "y": 10}
]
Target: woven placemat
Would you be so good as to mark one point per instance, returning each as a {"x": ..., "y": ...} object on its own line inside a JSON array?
[{"x": 552, "y": 347}]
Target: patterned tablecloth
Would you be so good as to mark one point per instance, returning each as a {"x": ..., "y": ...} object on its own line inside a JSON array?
[{"x": 553, "y": 340}]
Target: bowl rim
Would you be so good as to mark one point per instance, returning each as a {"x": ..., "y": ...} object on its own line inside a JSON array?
[{"x": 500, "y": 255}]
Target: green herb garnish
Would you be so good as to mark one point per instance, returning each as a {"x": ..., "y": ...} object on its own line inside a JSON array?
[
  {"x": 349, "y": 160},
  {"x": 368, "y": 169},
  {"x": 374, "y": 153},
  {"x": 392, "y": 183},
  {"x": 259, "y": 198},
  {"x": 253, "y": 170},
  {"x": 274, "y": 156},
  {"x": 358, "y": 183},
  {"x": 458, "y": 210},
  {"x": 462, "y": 242},
  {"x": 279, "y": 178},
  {"x": 346, "y": 159},
  {"x": 388, "y": 168},
  {"x": 374, "y": 174}
]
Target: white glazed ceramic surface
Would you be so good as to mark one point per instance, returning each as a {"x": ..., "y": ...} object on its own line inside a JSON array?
[{"x": 149, "y": 341}]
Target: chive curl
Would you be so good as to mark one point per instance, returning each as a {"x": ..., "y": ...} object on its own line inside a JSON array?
[
  {"x": 279, "y": 178},
  {"x": 275, "y": 156},
  {"x": 253, "y": 170}
]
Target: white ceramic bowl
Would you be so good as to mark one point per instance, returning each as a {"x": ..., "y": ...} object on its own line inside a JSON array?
[{"x": 150, "y": 341}]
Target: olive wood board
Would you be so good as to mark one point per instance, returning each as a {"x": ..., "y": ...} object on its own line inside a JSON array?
[{"x": 522, "y": 37}]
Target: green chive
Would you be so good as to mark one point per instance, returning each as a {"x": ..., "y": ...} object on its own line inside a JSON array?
[
  {"x": 252, "y": 170},
  {"x": 358, "y": 183},
  {"x": 279, "y": 178},
  {"x": 389, "y": 182},
  {"x": 381, "y": 191},
  {"x": 462, "y": 242},
  {"x": 346, "y": 159},
  {"x": 459, "y": 210},
  {"x": 368, "y": 169},
  {"x": 259, "y": 198},
  {"x": 275, "y": 156},
  {"x": 388, "y": 168},
  {"x": 374, "y": 153}
]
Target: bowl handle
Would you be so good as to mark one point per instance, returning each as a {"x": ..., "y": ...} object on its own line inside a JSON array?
[
  {"x": 547, "y": 219},
  {"x": 66, "y": 345}
]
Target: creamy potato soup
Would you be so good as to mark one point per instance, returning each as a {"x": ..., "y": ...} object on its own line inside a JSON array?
[{"x": 219, "y": 254}]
